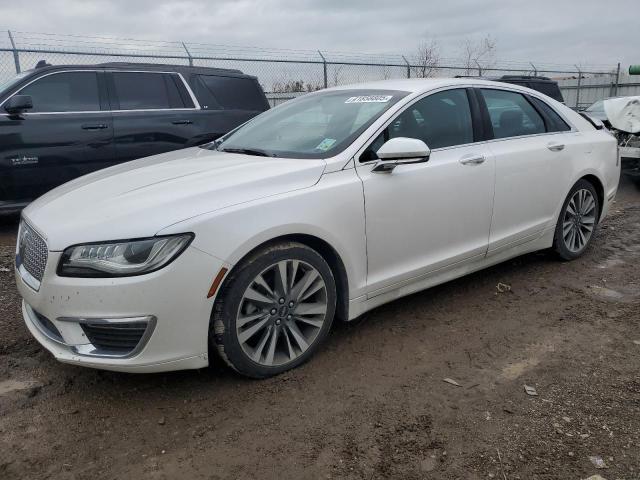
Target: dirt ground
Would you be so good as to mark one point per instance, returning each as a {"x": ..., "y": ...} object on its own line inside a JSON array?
[{"x": 373, "y": 403}]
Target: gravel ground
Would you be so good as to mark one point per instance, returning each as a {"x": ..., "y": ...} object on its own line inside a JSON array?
[{"x": 373, "y": 403}]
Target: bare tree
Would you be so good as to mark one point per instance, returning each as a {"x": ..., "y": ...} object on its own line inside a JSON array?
[
  {"x": 289, "y": 86},
  {"x": 425, "y": 62},
  {"x": 478, "y": 54},
  {"x": 336, "y": 73},
  {"x": 386, "y": 73}
]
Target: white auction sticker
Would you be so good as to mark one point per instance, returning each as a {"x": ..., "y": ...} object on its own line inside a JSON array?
[{"x": 369, "y": 99}]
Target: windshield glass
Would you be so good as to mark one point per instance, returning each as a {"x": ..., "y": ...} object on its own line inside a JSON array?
[
  {"x": 596, "y": 107},
  {"x": 317, "y": 125},
  {"x": 6, "y": 83}
]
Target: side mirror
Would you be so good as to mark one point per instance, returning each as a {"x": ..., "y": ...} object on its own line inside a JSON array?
[
  {"x": 401, "y": 151},
  {"x": 18, "y": 104}
]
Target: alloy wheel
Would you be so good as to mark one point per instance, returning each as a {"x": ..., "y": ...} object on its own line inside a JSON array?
[
  {"x": 579, "y": 220},
  {"x": 281, "y": 312}
]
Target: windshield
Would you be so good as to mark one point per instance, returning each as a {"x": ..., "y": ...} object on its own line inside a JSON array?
[
  {"x": 6, "y": 83},
  {"x": 596, "y": 107},
  {"x": 317, "y": 125}
]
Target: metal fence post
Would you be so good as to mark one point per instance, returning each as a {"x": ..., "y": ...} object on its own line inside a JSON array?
[
  {"x": 408, "y": 66},
  {"x": 578, "y": 89},
  {"x": 614, "y": 87},
  {"x": 324, "y": 67},
  {"x": 188, "y": 54},
  {"x": 16, "y": 57}
]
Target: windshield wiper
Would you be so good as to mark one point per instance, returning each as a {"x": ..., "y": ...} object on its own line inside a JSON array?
[{"x": 246, "y": 151}]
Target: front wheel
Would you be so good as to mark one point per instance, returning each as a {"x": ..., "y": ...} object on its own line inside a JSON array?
[
  {"x": 577, "y": 222},
  {"x": 274, "y": 310}
]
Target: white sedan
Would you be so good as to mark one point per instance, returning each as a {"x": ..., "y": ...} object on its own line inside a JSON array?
[{"x": 324, "y": 207}]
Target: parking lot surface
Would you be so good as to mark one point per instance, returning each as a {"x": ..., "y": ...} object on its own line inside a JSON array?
[{"x": 373, "y": 403}]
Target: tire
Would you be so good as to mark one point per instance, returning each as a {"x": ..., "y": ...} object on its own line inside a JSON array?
[
  {"x": 583, "y": 200},
  {"x": 249, "y": 311}
]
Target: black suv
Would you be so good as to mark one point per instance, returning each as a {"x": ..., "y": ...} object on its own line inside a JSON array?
[
  {"x": 543, "y": 85},
  {"x": 540, "y": 84},
  {"x": 60, "y": 122}
]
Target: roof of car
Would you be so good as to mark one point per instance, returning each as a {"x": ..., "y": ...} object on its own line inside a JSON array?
[
  {"x": 418, "y": 85},
  {"x": 145, "y": 66}
]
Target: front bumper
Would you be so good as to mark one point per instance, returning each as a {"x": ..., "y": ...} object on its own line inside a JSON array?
[{"x": 170, "y": 304}]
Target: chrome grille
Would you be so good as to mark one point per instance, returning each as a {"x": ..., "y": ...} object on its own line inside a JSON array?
[{"x": 32, "y": 251}]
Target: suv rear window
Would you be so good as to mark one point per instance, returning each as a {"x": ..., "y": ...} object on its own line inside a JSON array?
[
  {"x": 550, "y": 89},
  {"x": 146, "y": 91},
  {"x": 233, "y": 93}
]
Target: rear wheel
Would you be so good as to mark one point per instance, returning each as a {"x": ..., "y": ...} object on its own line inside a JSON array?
[
  {"x": 578, "y": 221},
  {"x": 274, "y": 310}
]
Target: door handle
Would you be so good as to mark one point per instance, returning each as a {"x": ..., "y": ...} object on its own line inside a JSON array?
[
  {"x": 472, "y": 160},
  {"x": 182, "y": 122},
  {"x": 555, "y": 147},
  {"x": 94, "y": 126}
]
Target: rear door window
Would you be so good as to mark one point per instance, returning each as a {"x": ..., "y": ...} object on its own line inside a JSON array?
[
  {"x": 146, "y": 91},
  {"x": 64, "y": 92},
  {"x": 511, "y": 114},
  {"x": 234, "y": 93}
]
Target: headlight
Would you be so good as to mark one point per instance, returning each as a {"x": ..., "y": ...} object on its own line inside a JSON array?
[{"x": 122, "y": 257}]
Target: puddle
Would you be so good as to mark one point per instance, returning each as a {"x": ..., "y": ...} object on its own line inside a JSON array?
[
  {"x": 8, "y": 386},
  {"x": 611, "y": 263},
  {"x": 628, "y": 294},
  {"x": 607, "y": 293},
  {"x": 534, "y": 356}
]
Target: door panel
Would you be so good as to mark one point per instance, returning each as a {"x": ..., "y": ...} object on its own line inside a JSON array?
[
  {"x": 528, "y": 187},
  {"x": 41, "y": 152},
  {"x": 145, "y": 133},
  {"x": 426, "y": 216},
  {"x": 529, "y": 164},
  {"x": 55, "y": 142}
]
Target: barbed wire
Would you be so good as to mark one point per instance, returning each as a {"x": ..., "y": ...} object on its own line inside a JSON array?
[{"x": 65, "y": 42}]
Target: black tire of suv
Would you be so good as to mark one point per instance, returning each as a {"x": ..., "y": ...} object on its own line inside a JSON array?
[
  {"x": 222, "y": 331},
  {"x": 558, "y": 241}
]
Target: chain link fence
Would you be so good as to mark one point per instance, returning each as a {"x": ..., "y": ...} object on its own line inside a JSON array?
[{"x": 287, "y": 73}]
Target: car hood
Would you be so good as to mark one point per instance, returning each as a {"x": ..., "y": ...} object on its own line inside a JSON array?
[{"x": 140, "y": 198}]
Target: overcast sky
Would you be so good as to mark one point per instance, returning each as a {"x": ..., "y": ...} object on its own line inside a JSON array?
[{"x": 544, "y": 31}]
